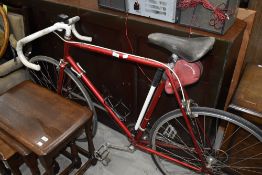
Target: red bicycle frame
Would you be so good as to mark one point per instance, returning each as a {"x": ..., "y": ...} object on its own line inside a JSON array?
[{"x": 135, "y": 140}]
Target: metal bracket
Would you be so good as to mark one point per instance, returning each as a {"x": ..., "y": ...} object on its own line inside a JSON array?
[
  {"x": 79, "y": 75},
  {"x": 187, "y": 105},
  {"x": 80, "y": 67},
  {"x": 62, "y": 63}
]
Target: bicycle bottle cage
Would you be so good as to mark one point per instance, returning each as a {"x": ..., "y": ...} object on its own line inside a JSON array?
[
  {"x": 188, "y": 73},
  {"x": 121, "y": 110}
]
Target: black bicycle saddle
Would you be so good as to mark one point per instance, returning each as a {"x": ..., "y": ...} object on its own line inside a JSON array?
[{"x": 190, "y": 49}]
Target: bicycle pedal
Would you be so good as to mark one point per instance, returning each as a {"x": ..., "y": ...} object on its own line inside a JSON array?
[
  {"x": 106, "y": 161},
  {"x": 102, "y": 154}
]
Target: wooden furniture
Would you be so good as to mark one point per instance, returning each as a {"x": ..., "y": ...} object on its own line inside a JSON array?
[
  {"x": 108, "y": 29},
  {"x": 6, "y": 153},
  {"x": 248, "y": 16},
  {"x": 16, "y": 155},
  {"x": 45, "y": 123},
  {"x": 247, "y": 99}
]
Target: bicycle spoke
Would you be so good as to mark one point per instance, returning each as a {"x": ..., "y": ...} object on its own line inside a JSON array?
[
  {"x": 247, "y": 148},
  {"x": 48, "y": 83},
  {"x": 180, "y": 139},
  {"x": 238, "y": 143},
  {"x": 178, "y": 156},
  {"x": 246, "y": 159},
  {"x": 39, "y": 81},
  {"x": 49, "y": 76},
  {"x": 251, "y": 171},
  {"x": 230, "y": 136},
  {"x": 186, "y": 130},
  {"x": 198, "y": 132},
  {"x": 188, "y": 149},
  {"x": 47, "y": 80}
]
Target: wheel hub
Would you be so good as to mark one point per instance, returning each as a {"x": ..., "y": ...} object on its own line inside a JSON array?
[{"x": 217, "y": 162}]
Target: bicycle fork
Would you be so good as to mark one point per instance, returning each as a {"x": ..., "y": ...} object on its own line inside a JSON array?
[{"x": 188, "y": 123}]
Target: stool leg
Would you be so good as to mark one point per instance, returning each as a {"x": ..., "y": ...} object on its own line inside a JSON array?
[
  {"x": 31, "y": 162},
  {"x": 75, "y": 157},
  {"x": 91, "y": 147},
  {"x": 3, "y": 169},
  {"x": 14, "y": 163},
  {"x": 47, "y": 163}
]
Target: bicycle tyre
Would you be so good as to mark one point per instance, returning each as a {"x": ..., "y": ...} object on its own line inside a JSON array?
[
  {"x": 47, "y": 77},
  {"x": 230, "y": 145}
]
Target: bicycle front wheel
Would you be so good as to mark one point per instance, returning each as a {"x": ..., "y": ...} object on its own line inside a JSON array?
[
  {"x": 229, "y": 144},
  {"x": 72, "y": 88}
]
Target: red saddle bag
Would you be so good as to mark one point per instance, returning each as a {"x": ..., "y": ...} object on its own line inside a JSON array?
[{"x": 188, "y": 73}]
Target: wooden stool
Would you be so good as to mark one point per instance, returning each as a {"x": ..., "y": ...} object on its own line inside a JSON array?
[
  {"x": 15, "y": 156},
  {"x": 6, "y": 153},
  {"x": 247, "y": 100},
  {"x": 45, "y": 123}
]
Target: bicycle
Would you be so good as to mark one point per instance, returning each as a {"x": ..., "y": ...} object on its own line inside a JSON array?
[{"x": 199, "y": 139}]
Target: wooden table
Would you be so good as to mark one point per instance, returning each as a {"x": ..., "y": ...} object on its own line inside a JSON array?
[{"x": 42, "y": 121}]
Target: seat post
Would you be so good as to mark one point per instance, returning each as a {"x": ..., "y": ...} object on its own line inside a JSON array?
[{"x": 174, "y": 57}]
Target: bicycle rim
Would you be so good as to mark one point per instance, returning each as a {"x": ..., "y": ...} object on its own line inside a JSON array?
[
  {"x": 72, "y": 88},
  {"x": 229, "y": 144}
]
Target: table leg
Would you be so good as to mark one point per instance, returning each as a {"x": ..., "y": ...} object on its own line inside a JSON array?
[
  {"x": 91, "y": 148},
  {"x": 14, "y": 163},
  {"x": 3, "y": 169},
  {"x": 31, "y": 162},
  {"x": 75, "y": 157},
  {"x": 47, "y": 163}
]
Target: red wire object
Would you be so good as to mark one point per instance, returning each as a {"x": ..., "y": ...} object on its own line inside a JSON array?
[
  {"x": 219, "y": 15},
  {"x": 131, "y": 47}
]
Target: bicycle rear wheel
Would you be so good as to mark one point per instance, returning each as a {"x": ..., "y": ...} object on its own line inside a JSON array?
[
  {"x": 72, "y": 88},
  {"x": 229, "y": 144}
]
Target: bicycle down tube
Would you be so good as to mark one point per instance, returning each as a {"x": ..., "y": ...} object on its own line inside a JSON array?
[{"x": 153, "y": 99}]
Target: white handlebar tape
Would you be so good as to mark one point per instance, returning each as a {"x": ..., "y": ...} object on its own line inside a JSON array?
[
  {"x": 73, "y": 20},
  {"x": 80, "y": 37},
  {"x": 29, "y": 38},
  {"x": 70, "y": 27}
]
